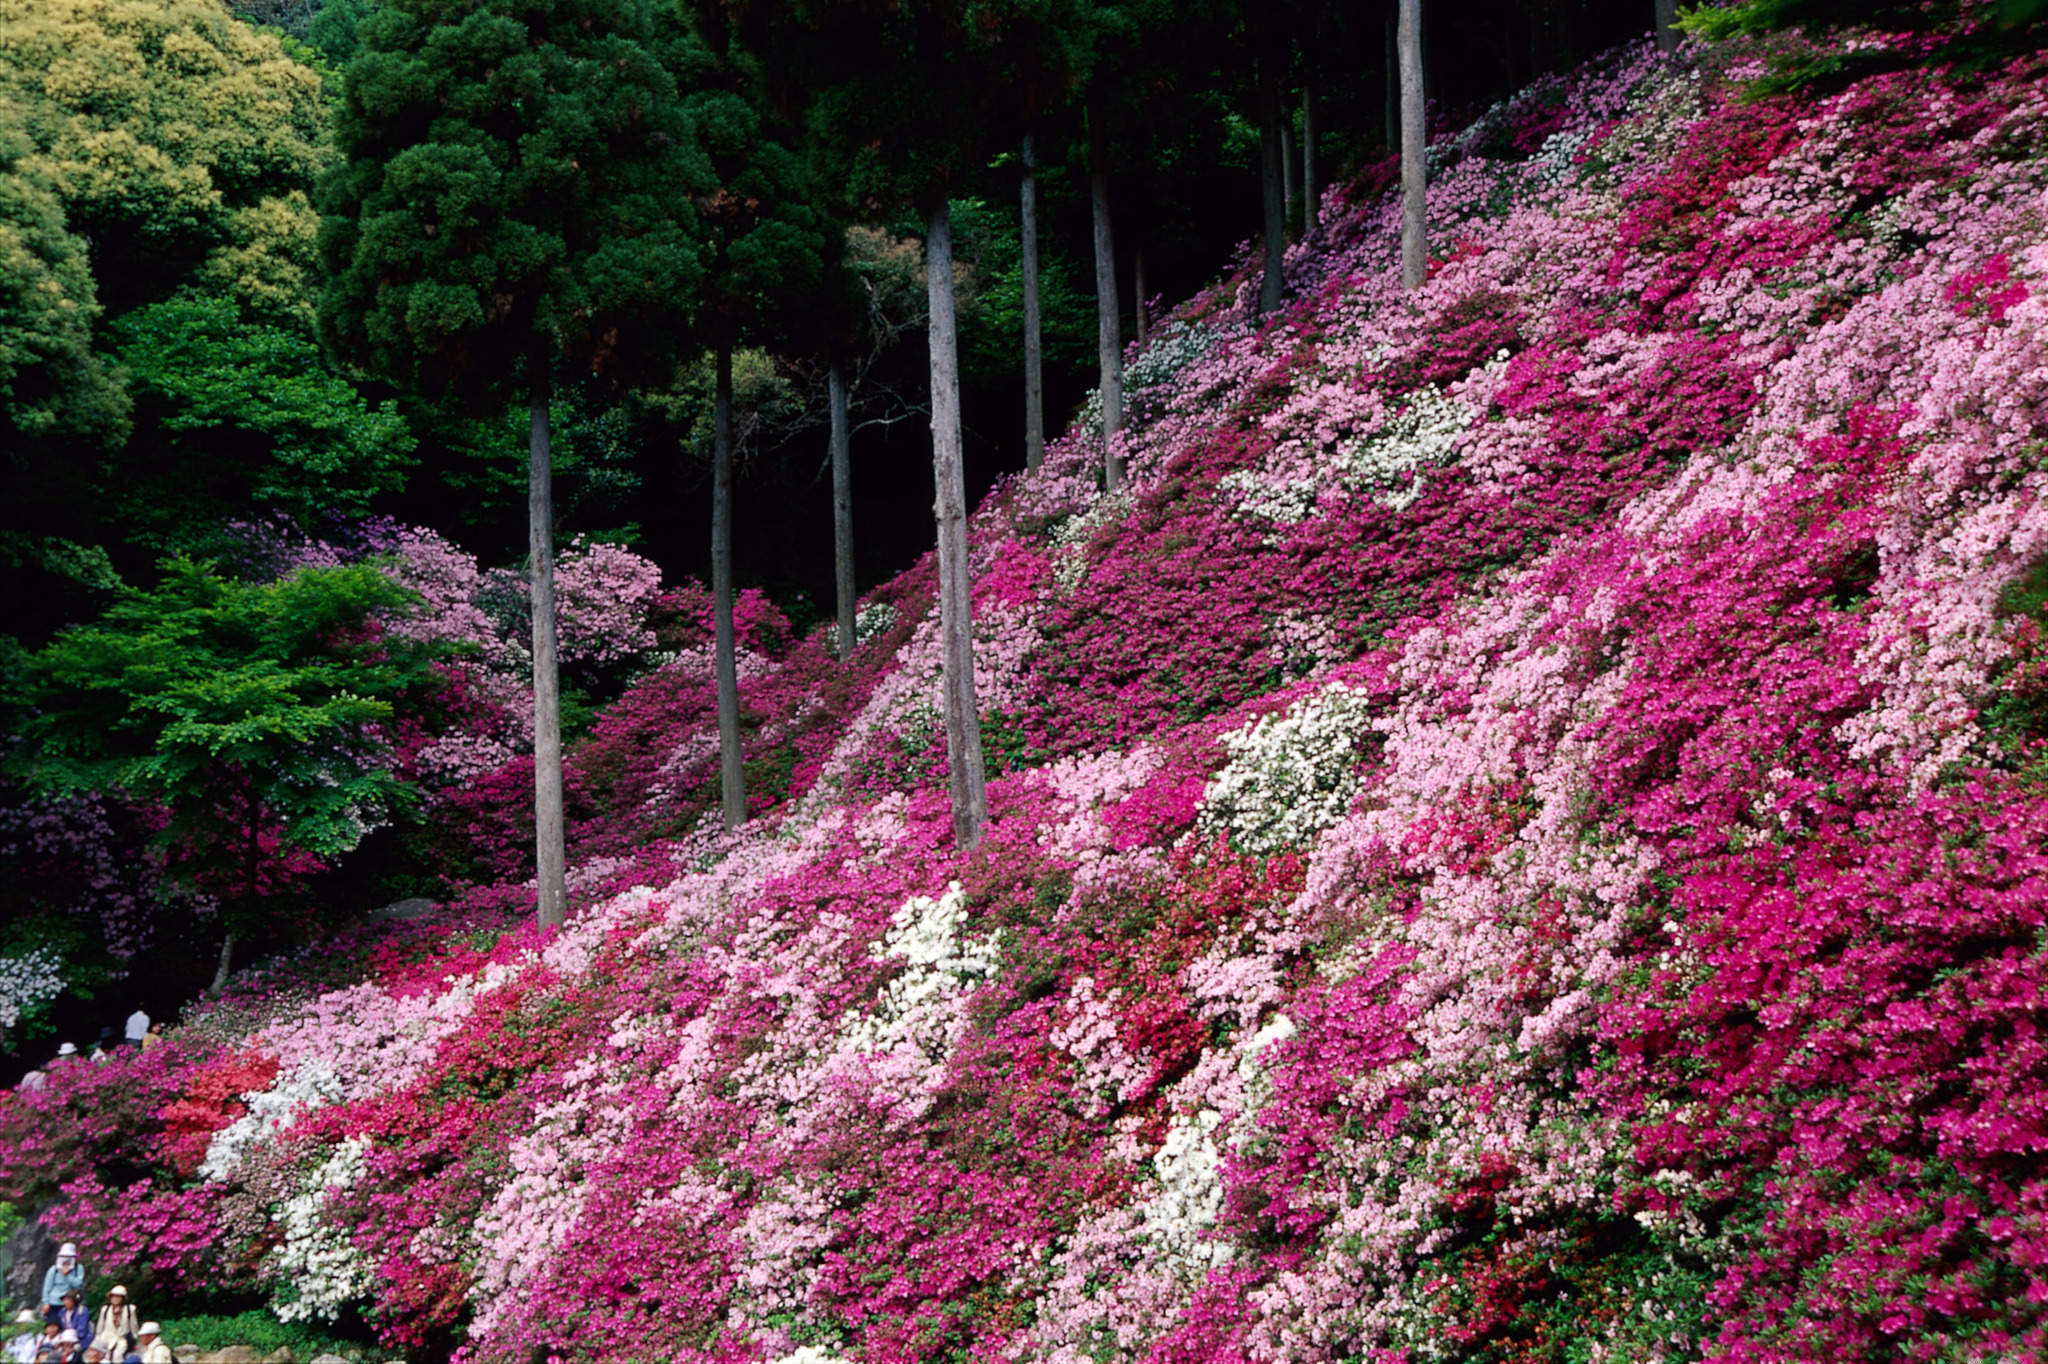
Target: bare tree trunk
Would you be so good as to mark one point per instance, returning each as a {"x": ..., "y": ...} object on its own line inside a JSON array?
[
  {"x": 550, "y": 856},
  {"x": 1414, "y": 183},
  {"x": 1567, "y": 34},
  {"x": 1270, "y": 176},
  {"x": 732, "y": 781},
  {"x": 1288, "y": 189},
  {"x": 966, "y": 777},
  {"x": 1034, "y": 373},
  {"x": 1109, "y": 327},
  {"x": 1311, "y": 190},
  {"x": 1667, "y": 31},
  {"x": 842, "y": 509},
  {"x": 1138, "y": 284},
  {"x": 227, "y": 961}
]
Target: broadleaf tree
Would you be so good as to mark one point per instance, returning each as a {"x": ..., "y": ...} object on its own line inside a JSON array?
[
  {"x": 514, "y": 211},
  {"x": 245, "y": 714}
]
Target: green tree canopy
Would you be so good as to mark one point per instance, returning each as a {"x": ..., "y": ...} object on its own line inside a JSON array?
[
  {"x": 517, "y": 174},
  {"x": 248, "y": 713},
  {"x": 176, "y": 139},
  {"x": 53, "y": 388},
  {"x": 234, "y": 416}
]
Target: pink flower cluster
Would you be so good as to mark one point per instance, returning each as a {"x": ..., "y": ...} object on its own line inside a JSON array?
[{"x": 1518, "y": 836}]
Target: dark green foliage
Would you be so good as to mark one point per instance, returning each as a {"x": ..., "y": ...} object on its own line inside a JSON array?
[
  {"x": 54, "y": 391},
  {"x": 768, "y": 241},
  {"x": 234, "y": 416},
  {"x": 517, "y": 174},
  {"x": 247, "y": 713}
]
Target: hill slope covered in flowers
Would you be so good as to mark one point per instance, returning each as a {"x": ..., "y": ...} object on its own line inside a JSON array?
[{"x": 1521, "y": 836}]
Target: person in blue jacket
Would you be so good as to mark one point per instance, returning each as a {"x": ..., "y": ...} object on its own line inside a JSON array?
[
  {"x": 72, "y": 1317},
  {"x": 65, "y": 1276}
]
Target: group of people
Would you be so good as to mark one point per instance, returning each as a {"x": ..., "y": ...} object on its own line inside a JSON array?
[
  {"x": 66, "y": 1333},
  {"x": 141, "y": 1033}
]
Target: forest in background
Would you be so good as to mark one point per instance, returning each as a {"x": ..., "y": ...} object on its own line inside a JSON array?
[{"x": 168, "y": 393}]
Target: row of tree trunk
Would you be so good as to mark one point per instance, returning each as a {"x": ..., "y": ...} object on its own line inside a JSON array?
[{"x": 965, "y": 766}]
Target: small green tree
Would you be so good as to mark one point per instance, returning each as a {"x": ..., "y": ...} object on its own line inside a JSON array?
[
  {"x": 515, "y": 211},
  {"x": 247, "y": 713}
]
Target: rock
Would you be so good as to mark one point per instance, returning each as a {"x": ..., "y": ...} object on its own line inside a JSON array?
[
  {"x": 329, "y": 1359},
  {"x": 185, "y": 1354},
  {"x": 398, "y": 911},
  {"x": 233, "y": 1354},
  {"x": 281, "y": 1355}
]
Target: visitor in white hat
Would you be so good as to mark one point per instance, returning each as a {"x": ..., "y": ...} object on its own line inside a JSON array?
[
  {"x": 154, "y": 1351},
  {"x": 115, "y": 1326},
  {"x": 28, "y": 1329},
  {"x": 65, "y": 1276}
]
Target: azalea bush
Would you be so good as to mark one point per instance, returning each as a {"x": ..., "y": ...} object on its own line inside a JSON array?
[{"x": 1516, "y": 835}]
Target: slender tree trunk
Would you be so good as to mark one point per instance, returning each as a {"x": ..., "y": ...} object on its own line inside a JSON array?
[
  {"x": 1567, "y": 34},
  {"x": 1138, "y": 283},
  {"x": 1034, "y": 374},
  {"x": 1392, "y": 115},
  {"x": 1311, "y": 189},
  {"x": 1414, "y": 245},
  {"x": 966, "y": 777},
  {"x": 842, "y": 510},
  {"x": 1288, "y": 189},
  {"x": 1667, "y": 31},
  {"x": 1109, "y": 327},
  {"x": 550, "y": 856},
  {"x": 732, "y": 781},
  {"x": 1272, "y": 187},
  {"x": 227, "y": 961}
]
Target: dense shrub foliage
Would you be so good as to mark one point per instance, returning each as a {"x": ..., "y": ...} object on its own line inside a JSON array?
[{"x": 1521, "y": 838}]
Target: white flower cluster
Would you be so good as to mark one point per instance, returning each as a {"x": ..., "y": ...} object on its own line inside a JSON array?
[
  {"x": 270, "y": 1111},
  {"x": 1070, "y": 538},
  {"x": 324, "y": 1270},
  {"x": 1291, "y": 775},
  {"x": 33, "y": 978},
  {"x": 1190, "y": 1198},
  {"x": 876, "y": 618},
  {"x": 916, "y": 1013},
  {"x": 1384, "y": 464},
  {"x": 1167, "y": 352},
  {"x": 811, "y": 1354},
  {"x": 1425, "y": 432}
]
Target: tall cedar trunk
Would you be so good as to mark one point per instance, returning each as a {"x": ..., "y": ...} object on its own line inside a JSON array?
[
  {"x": 732, "y": 781},
  {"x": 1271, "y": 187},
  {"x": 1393, "y": 110},
  {"x": 1109, "y": 339},
  {"x": 1034, "y": 373},
  {"x": 1138, "y": 286},
  {"x": 1311, "y": 189},
  {"x": 842, "y": 510},
  {"x": 966, "y": 777},
  {"x": 1667, "y": 32},
  {"x": 227, "y": 961},
  {"x": 1414, "y": 246},
  {"x": 1289, "y": 190},
  {"x": 549, "y": 853}
]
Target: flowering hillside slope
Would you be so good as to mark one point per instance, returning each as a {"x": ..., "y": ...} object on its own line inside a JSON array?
[{"x": 1521, "y": 836}]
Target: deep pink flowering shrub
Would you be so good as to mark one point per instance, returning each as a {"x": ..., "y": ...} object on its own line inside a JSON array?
[{"x": 1518, "y": 836}]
